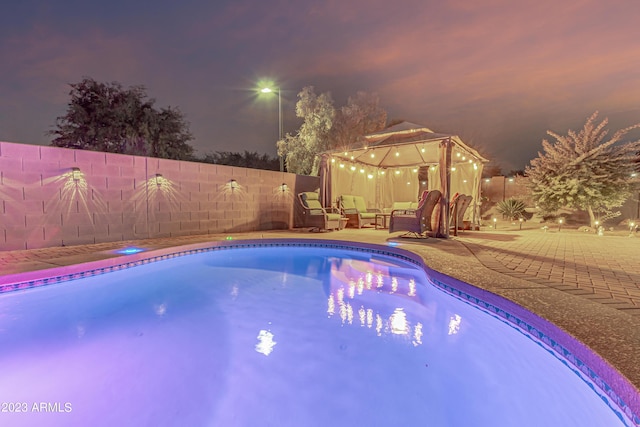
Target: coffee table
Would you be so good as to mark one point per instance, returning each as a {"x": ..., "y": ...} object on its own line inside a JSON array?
[{"x": 384, "y": 223}]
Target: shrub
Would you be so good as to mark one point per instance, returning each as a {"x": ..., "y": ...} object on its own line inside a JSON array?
[{"x": 511, "y": 208}]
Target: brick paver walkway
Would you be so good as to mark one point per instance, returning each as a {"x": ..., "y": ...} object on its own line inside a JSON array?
[{"x": 605, "y": 268}]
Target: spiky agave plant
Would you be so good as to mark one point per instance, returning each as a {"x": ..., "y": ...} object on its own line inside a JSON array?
[{"x": 511, "y": 208}]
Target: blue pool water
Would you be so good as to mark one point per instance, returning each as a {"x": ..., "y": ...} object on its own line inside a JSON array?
[{"x": 277, "y": 336}]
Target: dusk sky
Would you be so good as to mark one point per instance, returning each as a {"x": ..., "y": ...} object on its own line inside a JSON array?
[{"x": 499, "y": 73}]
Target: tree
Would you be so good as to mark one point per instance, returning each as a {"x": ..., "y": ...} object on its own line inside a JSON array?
[
  {"x": 246, "y": 160},
  {"x": 325, "y": 128},
  {"x": 584, "y": 170},
  {"x": 300, "y": 150},
  {"x": 361, "y": 116},
  {"x": 107, "y": 117},
  {"x": 491, "y": 169}
]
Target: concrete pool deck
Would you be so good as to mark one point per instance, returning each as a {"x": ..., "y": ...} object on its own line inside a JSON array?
[{"x": 588, "y": 285}]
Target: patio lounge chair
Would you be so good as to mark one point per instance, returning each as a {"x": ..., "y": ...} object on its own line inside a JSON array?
[
  {"x": 415, "y": 221},
  {"x": 355, "y": 208},
  {"x": 315, "y": 216},
  {"x": 457, "y": 209}
]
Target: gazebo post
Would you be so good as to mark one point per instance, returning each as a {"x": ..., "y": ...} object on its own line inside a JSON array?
[{"x": 445, "y": 183}]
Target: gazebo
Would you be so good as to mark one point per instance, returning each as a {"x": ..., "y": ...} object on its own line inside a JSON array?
[{"x": 398, "y": 163}]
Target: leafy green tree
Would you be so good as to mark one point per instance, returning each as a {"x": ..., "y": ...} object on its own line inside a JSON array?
[
  {"x": 247, "y": 160},
  {"x": 107, "y": 117},
  {"x": 584, "y": 170},
  {"x": 361, "y": 116},
  {"x": 300, "y": 150},
  {"x": 325, "y": 128}
]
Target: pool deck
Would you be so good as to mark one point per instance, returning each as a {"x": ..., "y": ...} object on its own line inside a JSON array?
[{"x": 586, "y": 284}]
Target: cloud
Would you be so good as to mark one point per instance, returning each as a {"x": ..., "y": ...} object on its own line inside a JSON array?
[{"x": 498, "y": 71}]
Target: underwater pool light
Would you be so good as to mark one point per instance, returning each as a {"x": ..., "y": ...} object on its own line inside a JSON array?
[{"x": 130, "y": 250}]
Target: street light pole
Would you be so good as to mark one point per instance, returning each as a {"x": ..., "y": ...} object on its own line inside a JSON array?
[
  {"x": 269, "y": 90},
  {"x": 280, "y": 127}
]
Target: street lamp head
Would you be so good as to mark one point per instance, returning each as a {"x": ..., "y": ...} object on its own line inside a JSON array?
[{"x": 266, "y": 90}]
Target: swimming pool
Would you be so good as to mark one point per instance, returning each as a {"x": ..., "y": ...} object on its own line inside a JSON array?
[{"x": 283, "y": 333}]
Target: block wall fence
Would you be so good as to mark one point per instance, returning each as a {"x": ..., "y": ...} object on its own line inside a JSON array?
[
  {"x": 499, "y": 188},
  {"x": 114, "y": 197}
]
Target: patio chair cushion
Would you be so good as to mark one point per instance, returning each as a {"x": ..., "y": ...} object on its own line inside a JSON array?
[
  {"x": 360, "y": 204},
  {"x": 333, "y": 216},
  {"x": 347, "y": 203},
  {"x": 402, "y": 205},
  {"x": 311, "y": 200}
]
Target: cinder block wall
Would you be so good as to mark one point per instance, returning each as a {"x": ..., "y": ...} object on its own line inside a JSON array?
[
  {"x": 114, "y": 197},
  {"x": 499, "y": 188}
]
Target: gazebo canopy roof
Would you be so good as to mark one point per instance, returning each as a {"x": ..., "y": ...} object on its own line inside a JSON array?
[{"x": 406, "y": 145}]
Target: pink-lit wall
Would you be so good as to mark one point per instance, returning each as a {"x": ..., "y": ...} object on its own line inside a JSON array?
[{"x": 118, "y": 197}]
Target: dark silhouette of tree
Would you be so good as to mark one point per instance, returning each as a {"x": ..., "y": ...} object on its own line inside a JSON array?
[
  {"x": 491, "y": 169},
  {"x": 394, "y": 122},
  {"x": 107, "y": 117},
  {"x": 361, "y": 116},
  {"x": 246, "y": 160}
]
